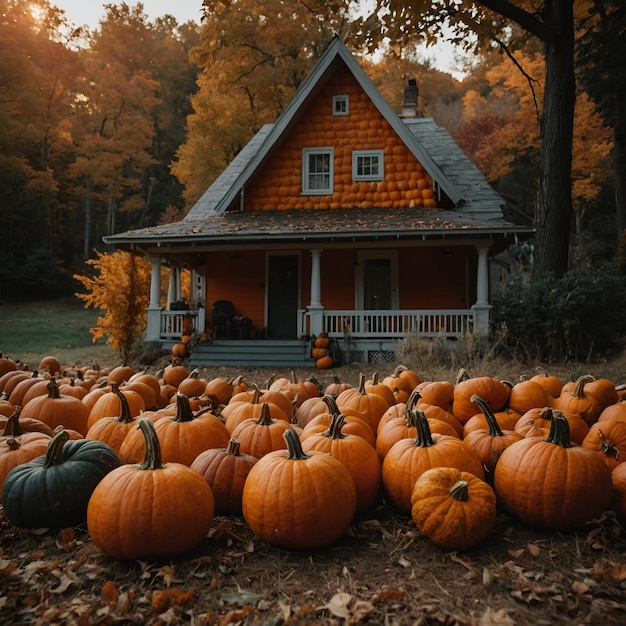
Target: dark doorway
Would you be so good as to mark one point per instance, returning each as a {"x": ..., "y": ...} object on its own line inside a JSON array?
[
  {"x": 282, "y": 296},
  {"x": 377, "y": 284}
]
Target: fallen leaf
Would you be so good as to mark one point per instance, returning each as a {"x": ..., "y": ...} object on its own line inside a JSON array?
[
  {"x": 516, "y": 554},
  {"x": 612, "y": 571},
  {"x": 164, "y": 600},
  {"x": 495, "y": 618},
  {"x": 168, "y": 574},
  {"x": 338, "y": 605},
  {"x": 388, "y": 594},
  {"x": 580, "y": 587},
  {"x": 533, "y": 549},
  {"x": 242, "y": 597}
]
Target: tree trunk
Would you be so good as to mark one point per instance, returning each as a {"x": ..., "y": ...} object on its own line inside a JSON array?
[
  {"x": 554, "y": 202},
  {"x": 619, "y": 156},
  {"x": 87, "y": 236}
]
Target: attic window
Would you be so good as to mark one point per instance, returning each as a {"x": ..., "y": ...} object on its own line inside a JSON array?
[
  {"x": 368, "y": 165},
  {"x": 341, "y": 105},
  {"x": 317, "y": 171}
]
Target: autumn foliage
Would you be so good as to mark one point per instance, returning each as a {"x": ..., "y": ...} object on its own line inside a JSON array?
[{"x": 120, "y": 287}]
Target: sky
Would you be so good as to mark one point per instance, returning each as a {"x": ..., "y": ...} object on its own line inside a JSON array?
[{"x": 89, "y": 12}]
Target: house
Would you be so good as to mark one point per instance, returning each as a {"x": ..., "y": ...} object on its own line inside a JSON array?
[{"x": 342, "y": 217}]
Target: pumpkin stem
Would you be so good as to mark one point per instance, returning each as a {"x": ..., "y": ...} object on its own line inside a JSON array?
[
  {"x": 125, "y": 417},
  {"x": 184, "y": 412},
  {"x": 559, "y": 430},
  {"x": 361, "y": 387},
  {"x": 374, "y": 380},
  {"x": 265, "y": 419},
  {"x": 424, "y": 437},
  {"x": 579, "y": 387},
  {"x": 336, "y": 424},
  {"x": 53, "y": 389},
  {"x": 12, "y": 427},
  {"x": 461, "y": 376},
  {"x": 152, "y": 459},
  {"x": 331, "y": 403},
  {"x": 492, "y": 422},
  {"x": 54, "y": 452},
  {"x": 411, "y": 402},
  {"x": 607, "y": 446},
  {"x": 294, "y": 447},
  {"x": 256, "y": 394},
  {"x": 459, "y": 491},
  {"x": 233, "y": 447}
]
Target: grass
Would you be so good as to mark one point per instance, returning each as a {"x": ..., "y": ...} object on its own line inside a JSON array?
[{"x": 30, "y": 331}]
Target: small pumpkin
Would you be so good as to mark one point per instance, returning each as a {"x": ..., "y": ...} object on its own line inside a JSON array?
[
  {"x": 225, "y": 470},
  {"x": 142, "y": 511},
  {"x": 454, "y": 509},
  {"x": 324, "y": 363},
  {"x": 288, "y": 494},
  {"x": 321, "y": 341},
  {"x": 53, "y": 490}
]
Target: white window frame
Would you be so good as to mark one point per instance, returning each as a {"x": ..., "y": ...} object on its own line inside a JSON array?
[
  {"x": 307, "y": 188},
  {"x": 358, "y": 154},
  {"x": 341, "y": 105}
]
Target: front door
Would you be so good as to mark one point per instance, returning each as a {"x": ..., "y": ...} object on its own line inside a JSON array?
[
  {"x": 377, "y": 281},
  {"x": 282, "y": 295}
]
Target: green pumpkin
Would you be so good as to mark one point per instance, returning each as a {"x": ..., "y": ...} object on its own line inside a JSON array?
[{"x": 53, "y": 490}]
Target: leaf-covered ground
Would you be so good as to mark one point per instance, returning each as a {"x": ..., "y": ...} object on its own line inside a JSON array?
[{"x": 382, "y": 572}]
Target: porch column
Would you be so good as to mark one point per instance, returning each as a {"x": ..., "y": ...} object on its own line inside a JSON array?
[
  {"x": 173, "y": 288},
  {"x": 482, "y": 307},
  {"x": 315, "y": 307},
  {"x": 198, "y": 297},
  {"x": 153, "y": 325}
]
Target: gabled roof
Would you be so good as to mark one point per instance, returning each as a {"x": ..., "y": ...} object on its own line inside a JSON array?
[{"x": 336, "y": 51}]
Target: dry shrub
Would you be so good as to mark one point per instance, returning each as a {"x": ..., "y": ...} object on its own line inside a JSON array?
[{"x": 441, "y": 358}]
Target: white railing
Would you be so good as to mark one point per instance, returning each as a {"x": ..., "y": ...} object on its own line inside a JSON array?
[
  {"x": 173, "y": 323},
  {"x": 391, "y": 324}
]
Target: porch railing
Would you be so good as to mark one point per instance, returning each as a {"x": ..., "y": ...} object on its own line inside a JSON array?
[
  {"x": 391, "y": 324},
  {"x": 172, "y": 323}
]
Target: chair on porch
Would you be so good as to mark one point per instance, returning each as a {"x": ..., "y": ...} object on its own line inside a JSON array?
[{"x": 222, "y": 313}]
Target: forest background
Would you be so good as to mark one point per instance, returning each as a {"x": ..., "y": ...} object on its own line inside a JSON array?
[{"x": 124, "y": 126}]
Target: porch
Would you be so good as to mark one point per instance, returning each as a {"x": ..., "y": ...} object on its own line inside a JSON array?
[{"x": 356, "y": 337}]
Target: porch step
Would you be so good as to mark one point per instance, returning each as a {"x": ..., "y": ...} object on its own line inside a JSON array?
[{"x": 252, "y": 353}]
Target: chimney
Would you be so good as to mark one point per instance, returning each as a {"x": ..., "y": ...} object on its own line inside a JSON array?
[{"x": 411, "y": 93}]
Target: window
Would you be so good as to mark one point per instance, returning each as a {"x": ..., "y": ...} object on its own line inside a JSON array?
[
  {"x": 317, "y": 171},
  {"x": 340, "y": 105},
  {"x": 368, "y": 165}
]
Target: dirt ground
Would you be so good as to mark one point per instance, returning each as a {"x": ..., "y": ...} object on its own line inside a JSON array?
[{"x": 381, "y": 572}]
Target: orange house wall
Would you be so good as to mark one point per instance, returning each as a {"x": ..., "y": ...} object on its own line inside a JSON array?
[
  {"x": 239, "y": 278},
  {"x": 428, "y": 278},
  {"x": 279, "y": 183}
]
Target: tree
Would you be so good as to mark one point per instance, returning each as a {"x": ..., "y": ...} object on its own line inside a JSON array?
[
  {"x": 120, "y": 286},
  {"x": 603, "y": 67},
  {"x": 503, "y": 133},
  {"x": 253, "y": 55},
  {"x": 484, "y": 23}
]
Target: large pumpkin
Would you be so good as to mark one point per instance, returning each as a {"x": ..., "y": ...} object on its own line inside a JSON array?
[
  {"x": 356, "y": 454},
  {"x": 298, "y": 501},
  {"x": 56, "y": 409},
  {"x": 454, "y": 509},
  {"x": 551, "y": 482},
  {"x": 53, "y": 490},
  {"x": 182, "y": 437},
  {"x": 152, "y": 509}
]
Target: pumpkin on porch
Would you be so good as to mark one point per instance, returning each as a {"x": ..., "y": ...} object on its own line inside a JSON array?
[{"x": 321, "y": 341}]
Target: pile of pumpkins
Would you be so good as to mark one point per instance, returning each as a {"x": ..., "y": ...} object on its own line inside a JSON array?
[
  {"x": 131, "y": 453},
  {"x": 320, "y": 351}
]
